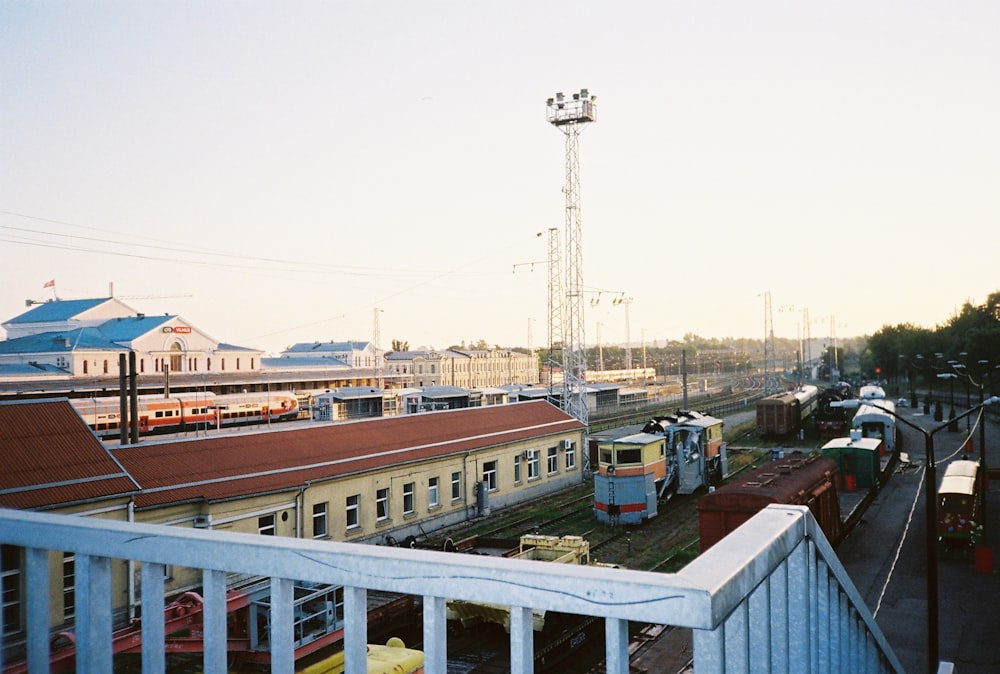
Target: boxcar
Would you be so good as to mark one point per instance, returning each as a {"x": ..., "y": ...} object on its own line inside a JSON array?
[{"x": 798, "y": 479}]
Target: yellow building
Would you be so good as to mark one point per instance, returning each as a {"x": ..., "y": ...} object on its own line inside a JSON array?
[{"x": 369, "y": 481}]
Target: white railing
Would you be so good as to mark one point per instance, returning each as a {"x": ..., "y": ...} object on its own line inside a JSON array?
[{"x": 771, "y": 596}]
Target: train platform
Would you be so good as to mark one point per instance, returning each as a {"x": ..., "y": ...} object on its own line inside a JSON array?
[{"x": 886, "y": 557}]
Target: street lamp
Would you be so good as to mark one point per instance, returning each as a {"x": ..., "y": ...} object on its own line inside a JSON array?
[
  {"x": 931, "y": 497},
  {"x": 952, "y": 421}
]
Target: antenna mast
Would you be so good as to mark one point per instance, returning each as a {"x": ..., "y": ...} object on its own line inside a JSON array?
[{"x": 569, "y": 115}]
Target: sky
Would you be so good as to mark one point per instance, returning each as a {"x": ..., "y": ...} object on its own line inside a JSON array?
[{"x": 279, "y": 172}]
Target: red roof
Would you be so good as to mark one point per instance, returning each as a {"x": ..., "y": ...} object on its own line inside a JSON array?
[
  {"x": 49, "y": 457},
  {"x": 232, "y": 465}
]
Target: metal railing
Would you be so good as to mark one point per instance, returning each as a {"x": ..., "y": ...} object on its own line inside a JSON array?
[{"x": 771, "y": 596}]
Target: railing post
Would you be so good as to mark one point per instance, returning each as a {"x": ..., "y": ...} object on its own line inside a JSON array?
[
  {"x": 522, "y": 647},
  {"x": 616, "y": 647},
  {"x": 93, "y": 614},
  {"x": 282, "y": 637},
  {"x": 355, "y": 629},
  {"x": 801, "y": 605},
  {"x": 214, "y": 622},
  {"x": 435, "y": 635},
  {"x": 153, "y": 629},
  {"x": 36, "y": 577}
]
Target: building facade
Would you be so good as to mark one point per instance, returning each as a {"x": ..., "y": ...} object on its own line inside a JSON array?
[
  {"x": 473, "y": 369},
  {"x": 376, "y": 481},
  {"x": 84, "y": 338}
]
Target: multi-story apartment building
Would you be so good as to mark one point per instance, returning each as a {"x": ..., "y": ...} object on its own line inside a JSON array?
[{"x": 472, "y": 369}]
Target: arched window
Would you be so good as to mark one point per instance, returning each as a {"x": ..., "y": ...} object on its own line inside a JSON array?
[{"x": 175, "y": 357}]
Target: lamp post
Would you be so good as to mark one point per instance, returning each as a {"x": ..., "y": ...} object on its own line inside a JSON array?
[
  {"x": 950, "y": 376},
  {"x": 931, "y": 507},
  {"x": 952, "y": 421}
]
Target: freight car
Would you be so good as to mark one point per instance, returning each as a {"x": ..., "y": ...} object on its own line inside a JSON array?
[
  {"x": 556, "y": 636},
  {"x": 958, "y": 503},
  {"x": 833, "y": 421},
  {"x": 798, "y": 479},
  {"x": 780, "y": 414},
  {"x": 187, "y": 411},
  {"x": 675, "y": 454}
]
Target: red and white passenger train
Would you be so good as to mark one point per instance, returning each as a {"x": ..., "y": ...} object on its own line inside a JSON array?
[{"x": 188, "y": 411}]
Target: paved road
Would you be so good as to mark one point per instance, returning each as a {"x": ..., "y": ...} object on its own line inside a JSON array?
[{"x": 886, "y": 557}]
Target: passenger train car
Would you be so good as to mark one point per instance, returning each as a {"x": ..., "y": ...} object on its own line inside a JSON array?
[
  {"x": 875, "y": 419},
  {"x": 871, "y": 392},
  {"x": 675, "y": 454},
  {"x": 188, "y": 411},
  {"x": 958, "y": 503},
  {"x": 780, "y": 414}
]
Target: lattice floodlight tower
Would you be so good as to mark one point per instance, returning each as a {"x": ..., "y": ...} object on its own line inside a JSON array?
[{"x": 569, "y": 115}]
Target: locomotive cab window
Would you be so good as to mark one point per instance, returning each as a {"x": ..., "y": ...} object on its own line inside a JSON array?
[{"x": 629, "y": 456}]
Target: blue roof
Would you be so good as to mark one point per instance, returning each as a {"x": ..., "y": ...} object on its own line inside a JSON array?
[
  {"x": 62, "y": 341},
  {"x": 233, "y": 347},
  {"x": 131, "y": 327},
  {"x": 285, "y": 363},
  {"x": 22, "y": 370},
  {"x": 310, "y": 347},
  {"x": 57, "y": 310},
  {"x": 443, "y": 391},
  {"x": 354, "y": 392}
]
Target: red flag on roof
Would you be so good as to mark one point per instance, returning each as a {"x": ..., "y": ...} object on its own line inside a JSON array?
[{"x": 50, "y": 284}]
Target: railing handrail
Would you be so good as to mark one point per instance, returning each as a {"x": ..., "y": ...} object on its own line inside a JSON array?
[{"x": 701, "y": 596}]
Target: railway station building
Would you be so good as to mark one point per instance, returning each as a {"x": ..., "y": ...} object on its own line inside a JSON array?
[
  {"x": 83, "y": 339},
  {"x": 373, "y": 481},
  {"x": 73, "y": 346}
]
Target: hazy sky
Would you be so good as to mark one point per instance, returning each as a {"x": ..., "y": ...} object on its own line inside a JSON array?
[{"x": 274, "y": 171}]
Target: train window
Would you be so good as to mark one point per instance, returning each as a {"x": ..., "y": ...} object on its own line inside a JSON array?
[
  {"x": 629, "y": 456},
  {"x": 606, "y": 456},
  {"x": 158, "y": 414}
]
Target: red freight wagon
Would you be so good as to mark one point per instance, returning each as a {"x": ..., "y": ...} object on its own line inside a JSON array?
[{"x": 798, "y": 479}]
